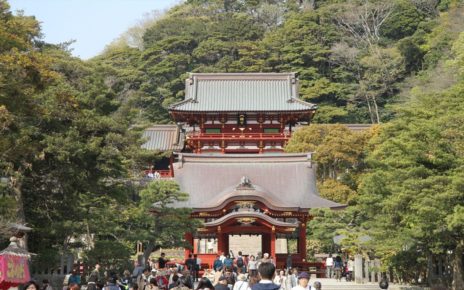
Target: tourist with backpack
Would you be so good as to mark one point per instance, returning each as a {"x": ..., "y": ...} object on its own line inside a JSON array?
[
  {"x": 240, "y": 262},
  {"x": 338, "y": 267},
  {"x": 228, "y": 262},
  {"x": 217, "y": 263}
]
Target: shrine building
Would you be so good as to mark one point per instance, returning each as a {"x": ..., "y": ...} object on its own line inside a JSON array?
[{"x": 228, "y": 143}]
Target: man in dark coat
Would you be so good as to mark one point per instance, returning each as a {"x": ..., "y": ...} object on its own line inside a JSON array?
[{"x": 266, "y": 270}]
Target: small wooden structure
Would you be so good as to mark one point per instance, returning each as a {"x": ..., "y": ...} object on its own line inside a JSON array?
[{"x": 14, "y": 266}]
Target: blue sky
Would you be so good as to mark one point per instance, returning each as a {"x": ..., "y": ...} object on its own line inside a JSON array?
[{"x": 92, "y": 23}]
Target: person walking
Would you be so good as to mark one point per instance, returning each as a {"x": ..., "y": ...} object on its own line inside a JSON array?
[
  {"x": 228, "y": 262},
  {"x": 142, "y": 279},
  {"x": 292, "y": 278},
  {"x": 75, "y": 278},
  {"x": 152, "y": 285},
  {"x": 94, "y": 278},
  {"x": 112, "y": 284},
  {"x": 197, "y": 267},
  {"x": 252, "y": 266},
  {"x": 191, "y": 264},
  {"x": 303, "y": 282},
  {"x": 349, "y": 269},
  {"x": 46, "y": 285},
  {"x": 162, "y": 261},
  {"x": 266, "y": 270},
  {"x": 222, "y": 285},
  {"x": 205, "y": 284},
  {"x": 240, "y": 262},
  {"x": 281, "y": 280},
  {"x": 217, "y": 263},
  {"x": 329, "y": 266},
  {"x": 338, "y": 267},
  {"x": 241, "y": 283},
  {"x": 289, "y": 262}
]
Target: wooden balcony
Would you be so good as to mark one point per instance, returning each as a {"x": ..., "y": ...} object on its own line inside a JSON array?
[
  {"x": 204, "y": 137},
  {"x": 246, "y": 142}
]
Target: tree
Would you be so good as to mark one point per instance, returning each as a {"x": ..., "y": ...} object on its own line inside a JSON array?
[
  {"x": 337, "y": 148},
  {"x": 412, "y": 192},
  {"x": 166, "y": 225},
  {"x": 364, "y": 22},
  {"x": 336, "y": 191},
  {"x": 381, "y": 70},
  {"x": 403, "y": 20}
]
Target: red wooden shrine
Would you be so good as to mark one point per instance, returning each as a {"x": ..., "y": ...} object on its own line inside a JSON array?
[{"x": 234, "y": 128}]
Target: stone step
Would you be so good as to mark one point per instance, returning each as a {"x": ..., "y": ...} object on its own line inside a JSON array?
[
  {"x": 350, "y": 287},
  {"x": 331, "y": 287}
]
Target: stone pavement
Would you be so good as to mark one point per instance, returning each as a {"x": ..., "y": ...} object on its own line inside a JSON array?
[{"x": 332, "y": 284}]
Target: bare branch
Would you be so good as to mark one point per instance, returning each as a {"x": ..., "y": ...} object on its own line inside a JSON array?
[{"x": 363, "y": 22}]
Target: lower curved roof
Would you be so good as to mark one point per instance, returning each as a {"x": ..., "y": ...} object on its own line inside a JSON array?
[
  {"x": 248, "y": 214},
  {"x": 287, "y": 181}
]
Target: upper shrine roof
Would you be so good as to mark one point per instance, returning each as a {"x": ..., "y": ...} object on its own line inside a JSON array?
[
  {"x": 282, "y": 181},
  {"x": 163, "y": 138},
  {"x": 242, "y": 92}
]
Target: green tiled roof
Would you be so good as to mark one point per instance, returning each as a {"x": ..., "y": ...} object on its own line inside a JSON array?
[
  {"x": 241, "y": 92},
  {"x": 163, "y": 138}
]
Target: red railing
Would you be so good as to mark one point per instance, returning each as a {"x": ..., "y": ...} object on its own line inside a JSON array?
[
  {"x": 239, "y": 136},
  {"x": 157, "y": 174}
]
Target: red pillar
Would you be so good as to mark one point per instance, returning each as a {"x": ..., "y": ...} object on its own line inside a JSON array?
[
  {"x": 266, "y": 243},
  {"x": 302, "y": 239},
  {"x": 273, "y": 244},
  {"x": 189, "y": 238},
  {"x": 220, "y": 246},
  {"x": 226, "y": 243},
  {"x": 171, "y": 165}
]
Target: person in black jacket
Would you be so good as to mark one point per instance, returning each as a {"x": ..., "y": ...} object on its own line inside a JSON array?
[
  {"x": 162, "y": 261},
  {"x": 222, "y": 285},
  {"x": 191, "y": 264},
  {"x": 266, "y": 271}
]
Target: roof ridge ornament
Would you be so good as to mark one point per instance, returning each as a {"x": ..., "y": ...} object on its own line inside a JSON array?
[{"x": 245, "y": 184}]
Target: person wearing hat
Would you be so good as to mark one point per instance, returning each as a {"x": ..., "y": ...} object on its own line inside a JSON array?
[
  {"x": 241, "y": 283},
  {"x": 152, "y": 274},
  {"x": 303, "y": 282}
]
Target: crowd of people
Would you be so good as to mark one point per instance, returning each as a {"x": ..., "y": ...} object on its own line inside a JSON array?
[
  {"x": 228, "y": 273},
  {"x": 337, "y": 268}
]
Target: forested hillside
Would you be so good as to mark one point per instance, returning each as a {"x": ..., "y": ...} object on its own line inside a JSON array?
[{"x": 351, "y": 56}]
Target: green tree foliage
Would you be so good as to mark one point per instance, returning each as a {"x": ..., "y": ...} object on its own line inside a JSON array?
[
  {"x": 70, "y": 155},
  {"x": 337, "y": 149},
  {"x": 167, "y": 225},
  {"x": 413, "y": 193},
  {"x": 403, "y": 20},
  {"x": 316, "y": 39},
  {"x": 334, "y": 190}
]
